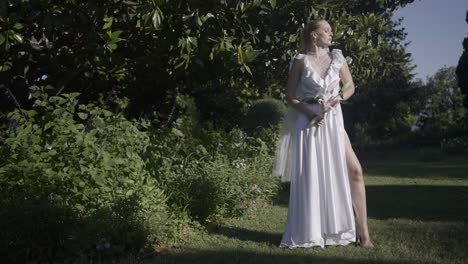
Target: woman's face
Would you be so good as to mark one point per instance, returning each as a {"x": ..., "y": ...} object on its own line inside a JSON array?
[{"x": 323, "y": 35}]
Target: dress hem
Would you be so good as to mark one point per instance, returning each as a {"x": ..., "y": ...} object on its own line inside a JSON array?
[
  {"x": 341, "y": 239},
  {"x": 317, "y": 244}
]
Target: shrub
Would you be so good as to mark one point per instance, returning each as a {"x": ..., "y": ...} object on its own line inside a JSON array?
[
  {"x": 214, "y": 179},
  {"x": 98, "y": 188},
  {"x": 263, "y": 113},
  {"x": 83, "y": 166}
]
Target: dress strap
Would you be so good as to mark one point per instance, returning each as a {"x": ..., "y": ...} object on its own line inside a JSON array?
[{"x": 297, "y": 57}]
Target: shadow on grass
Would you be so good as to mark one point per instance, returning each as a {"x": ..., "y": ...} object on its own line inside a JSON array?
[
  {"x": 418, "y": 202},
  {"x": 426, "y": 163},
  {"x": 289, "y": 257},
  {"x": 270, "y": 239},
  {"x": 282, "y": 198},
  {"x": 415, "y": 169}
]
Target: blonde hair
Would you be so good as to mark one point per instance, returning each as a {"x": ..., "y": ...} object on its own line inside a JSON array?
[{"x": 305, "y": 38}]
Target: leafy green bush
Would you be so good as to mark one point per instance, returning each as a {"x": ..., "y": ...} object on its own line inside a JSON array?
[
  {"x": 263, "y": 113},
  {"x": 87, "y": 163},
  {"x": 83, "y": 165},
  {"x": 213, "y": 179},
  {"x": 99, "y": 187}
]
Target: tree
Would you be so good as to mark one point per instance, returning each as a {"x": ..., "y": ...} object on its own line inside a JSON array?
[
  {"x": 462, "y": 70},
  {"x": 159, "y": 54},
  {"x": 442, "y": 108}
]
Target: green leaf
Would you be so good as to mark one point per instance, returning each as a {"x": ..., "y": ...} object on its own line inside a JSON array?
[
  {"x": 112, "y": 46},
  {"x": 108, "y": 23},
  {"x": 18, "y": 26},
  {"x": 293, "y": 38},
  {"x": 247, "y": 68},
  {"x": 99, "y": 179},
  {"x": 48, "y": 125},
  {"x": 115, "y": 35},
  {"x": 18, "y": 38},
  {"x": 177, "y": 132},
  {"x": 273, "y": 4},
  {"x": 157, "y": 18},
  {"x": 83, "y": 115},
  {"x": 2, "y": 39}
]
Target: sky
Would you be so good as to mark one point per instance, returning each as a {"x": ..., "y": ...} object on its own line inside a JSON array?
[{"x": 436, "y": 29}]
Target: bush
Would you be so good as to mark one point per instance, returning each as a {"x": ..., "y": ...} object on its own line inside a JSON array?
[
  {"x": 43, "y": 229},
  {"x": 87, "y": 163},
  {"x": 263, "y": 113},
  {"x": 99, "y": 188},
  {"x": 215, "y": 179},
  {"x": 34, "y": 229},
  {"x": 80, "y": 164}
]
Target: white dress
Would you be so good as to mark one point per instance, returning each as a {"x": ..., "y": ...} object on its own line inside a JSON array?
[{"x": 320, "y": 207}]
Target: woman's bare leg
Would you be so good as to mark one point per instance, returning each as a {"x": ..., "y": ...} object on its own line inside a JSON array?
[{"x": 358, "y": 193}]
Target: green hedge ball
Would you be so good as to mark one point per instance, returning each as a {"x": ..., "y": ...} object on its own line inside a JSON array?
[{"x": 264, "y": 113}]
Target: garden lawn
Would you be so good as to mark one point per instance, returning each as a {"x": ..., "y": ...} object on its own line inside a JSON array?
[{"x": 418, "y": 213}]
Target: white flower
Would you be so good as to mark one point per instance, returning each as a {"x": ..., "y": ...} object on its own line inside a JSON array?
[{"x": 47, "y": 146}]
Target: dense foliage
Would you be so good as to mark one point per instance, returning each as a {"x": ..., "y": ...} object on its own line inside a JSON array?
[
  {"x": 99, "y": 185},
  {"x": 462, "y": 69},
  {"x": 224, "y": 54},
  {"x": 442, "y": 115}
]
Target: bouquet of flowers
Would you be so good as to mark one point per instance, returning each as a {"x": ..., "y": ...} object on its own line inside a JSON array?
[{"x": 327, "y": 102}]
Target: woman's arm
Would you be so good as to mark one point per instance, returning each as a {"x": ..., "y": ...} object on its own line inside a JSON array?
[
  {"x": 345, "y": 76},
  {"x": 293, "y": 80}
]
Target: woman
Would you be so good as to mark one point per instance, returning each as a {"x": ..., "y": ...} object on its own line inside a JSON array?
[{"x": 314, "y": 151}]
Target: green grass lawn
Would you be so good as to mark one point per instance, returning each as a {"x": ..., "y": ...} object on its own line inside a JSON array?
[{"x": 418, "y": 213}]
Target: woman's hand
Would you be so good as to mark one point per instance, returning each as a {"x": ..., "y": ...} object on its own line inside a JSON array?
[{"x": 321, "y": 122}]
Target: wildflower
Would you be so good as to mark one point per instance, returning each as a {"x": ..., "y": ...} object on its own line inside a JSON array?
[
  {"x": 255, "y": 188},
  {"x": 107, "y": 245},
  {"x": 47, "y": 146}
]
